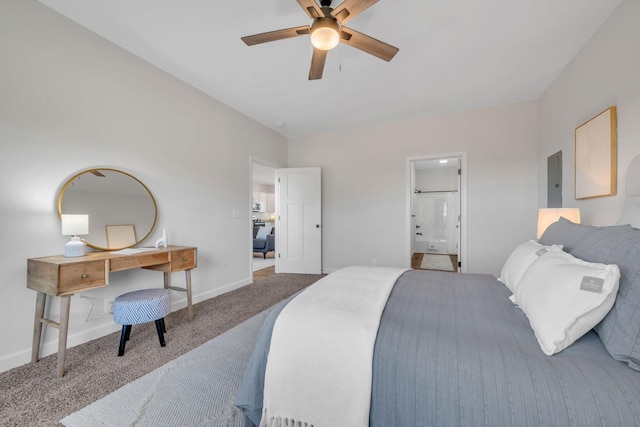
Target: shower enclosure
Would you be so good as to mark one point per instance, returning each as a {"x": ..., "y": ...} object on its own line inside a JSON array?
[{"x": 436, "y": 220}]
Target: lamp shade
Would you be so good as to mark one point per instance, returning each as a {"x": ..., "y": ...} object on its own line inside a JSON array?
[
  {"x": 548, "y": 216},
  {"x": 325, "y": 33},
  {"x": 75, "y": 225}
]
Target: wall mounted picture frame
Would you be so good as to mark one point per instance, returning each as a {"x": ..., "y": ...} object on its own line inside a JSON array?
[{"x": 596, "y": 156}]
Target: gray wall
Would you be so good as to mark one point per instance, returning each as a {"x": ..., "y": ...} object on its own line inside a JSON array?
[
  {"x": 604, "y": 73},
  {"x": 70, "y": 100},
  {"x": 365, "y": 194}
]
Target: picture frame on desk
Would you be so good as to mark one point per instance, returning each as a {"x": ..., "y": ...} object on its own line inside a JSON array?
[{"x": 120, "y": 236}]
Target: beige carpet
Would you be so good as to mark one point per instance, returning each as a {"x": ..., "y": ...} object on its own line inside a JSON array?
[
  {"x": 436, "y": 262},
  {"x": 32, "y": 395}
]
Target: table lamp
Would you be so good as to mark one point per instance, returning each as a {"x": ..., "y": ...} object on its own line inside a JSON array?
[
  {"x": 74, "y": 226},
  {"x": 548, "y": 216}
]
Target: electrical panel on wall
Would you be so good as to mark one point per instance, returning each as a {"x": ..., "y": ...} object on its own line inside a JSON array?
[{"x": 554, "y": 180}]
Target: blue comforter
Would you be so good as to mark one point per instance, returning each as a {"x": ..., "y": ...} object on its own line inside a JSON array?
[{"x": 452, "y": 350}]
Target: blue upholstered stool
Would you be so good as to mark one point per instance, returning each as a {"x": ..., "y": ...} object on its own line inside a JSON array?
[{"x": 134, "y": 308}]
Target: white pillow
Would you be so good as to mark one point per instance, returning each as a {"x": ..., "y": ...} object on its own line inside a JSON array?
[
  {"x": 565, "y": 297},
  {"x": 520, "y": 259},
  {"x": 263, "y": 232}
]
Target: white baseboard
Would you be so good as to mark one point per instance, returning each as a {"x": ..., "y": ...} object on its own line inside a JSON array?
[
  {"x": 22, "y": 357},
  {"x": 178, "y": 304}
]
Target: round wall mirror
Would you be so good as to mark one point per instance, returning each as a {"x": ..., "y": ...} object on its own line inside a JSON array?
[{"x": 122, "y": 211}]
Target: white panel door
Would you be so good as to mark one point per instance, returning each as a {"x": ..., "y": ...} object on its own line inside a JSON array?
[{"x": 299, "y": 222}]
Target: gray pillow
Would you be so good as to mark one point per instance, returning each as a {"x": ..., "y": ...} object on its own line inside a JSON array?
[
  {"x": 620, "y": 329},
  {"x": 566, "y": 233}
]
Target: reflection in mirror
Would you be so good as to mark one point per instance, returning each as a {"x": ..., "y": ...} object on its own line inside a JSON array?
[{"x": 109, "y": 197}]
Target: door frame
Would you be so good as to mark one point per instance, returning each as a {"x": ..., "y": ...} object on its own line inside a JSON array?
[
  {"x": 410, "y": 175},
  {"x": 256, "y": 160}
]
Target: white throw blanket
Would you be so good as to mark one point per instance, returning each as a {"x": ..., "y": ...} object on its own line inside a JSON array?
[{"x": 319, "y": 368}]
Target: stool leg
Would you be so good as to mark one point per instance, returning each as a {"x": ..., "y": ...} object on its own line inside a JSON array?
[
  {"x": 164, "y": 328},
  {"x": 160, "y": 333},
  {"x": 128, "y": 334},
  {"x": 124, "y": 336}
]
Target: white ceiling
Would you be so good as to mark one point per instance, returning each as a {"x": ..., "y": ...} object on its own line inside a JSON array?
[{"x": 455, "y": 55}]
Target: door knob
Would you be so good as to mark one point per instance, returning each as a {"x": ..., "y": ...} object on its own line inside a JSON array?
[{"x": 317, "y": 225}]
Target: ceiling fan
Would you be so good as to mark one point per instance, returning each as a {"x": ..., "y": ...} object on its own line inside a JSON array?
[{"x": 327, "y": 30}]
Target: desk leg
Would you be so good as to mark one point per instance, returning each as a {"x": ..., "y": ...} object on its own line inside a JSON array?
[
  {"x": 41, "y": 297},
  {"x": 65, "y": 303},
  {"x": 167, "y": 280},
  {"x": 189, "y": 301},
  {"x": 187, "y": 289}
]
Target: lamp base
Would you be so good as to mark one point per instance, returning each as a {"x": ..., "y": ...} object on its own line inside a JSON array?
[{"x": 74, "y": 248}]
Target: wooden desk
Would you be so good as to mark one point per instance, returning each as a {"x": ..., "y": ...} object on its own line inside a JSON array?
[{"x": 63, "y": 277}]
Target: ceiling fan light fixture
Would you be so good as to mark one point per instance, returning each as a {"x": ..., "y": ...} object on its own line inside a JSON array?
[{"x": 325, "y": 33}]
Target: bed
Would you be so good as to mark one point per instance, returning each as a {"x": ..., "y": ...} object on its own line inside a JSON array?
[{"x": 467, "y": 349}]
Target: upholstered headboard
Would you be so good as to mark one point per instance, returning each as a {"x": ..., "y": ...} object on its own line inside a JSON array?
[
  {"x": 631, "y": 214},
  {"x": 633, "y": 178}
]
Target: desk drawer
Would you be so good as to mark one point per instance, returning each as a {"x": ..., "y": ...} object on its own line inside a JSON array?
[
  {"x": 77, "y": 277},
  {"x": 184, "y": 259},
  {"x": 119, "y": 263}
]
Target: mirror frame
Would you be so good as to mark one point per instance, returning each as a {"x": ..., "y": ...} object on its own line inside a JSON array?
[{"x": 155, "y": 205}]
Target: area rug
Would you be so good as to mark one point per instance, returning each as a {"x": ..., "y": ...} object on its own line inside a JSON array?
[
  {"x": 196, "y": 389},
  {"x": 436, "y": 262}
]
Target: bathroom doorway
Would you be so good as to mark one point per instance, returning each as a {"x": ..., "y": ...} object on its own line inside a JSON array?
[{"x": 436, "y": 212}]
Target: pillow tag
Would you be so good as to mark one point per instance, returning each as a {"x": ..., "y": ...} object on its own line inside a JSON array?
[
  {"x": 541, "y": 251},
  {"x": 592, "y": 284}
]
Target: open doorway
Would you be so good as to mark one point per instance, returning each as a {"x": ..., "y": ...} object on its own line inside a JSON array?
[
  {"x": 436, "y": 196},
  {"x": 263, "y": 218}
]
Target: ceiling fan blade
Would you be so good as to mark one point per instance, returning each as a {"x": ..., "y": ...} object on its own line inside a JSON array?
[
  {"x": 317, "y": 64},
  {"x": 275, "y": 35},
  {"x": 368, "y": 44},
  {"x": 311, "y": 8},
  {"x": 349, "y": 9}
]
